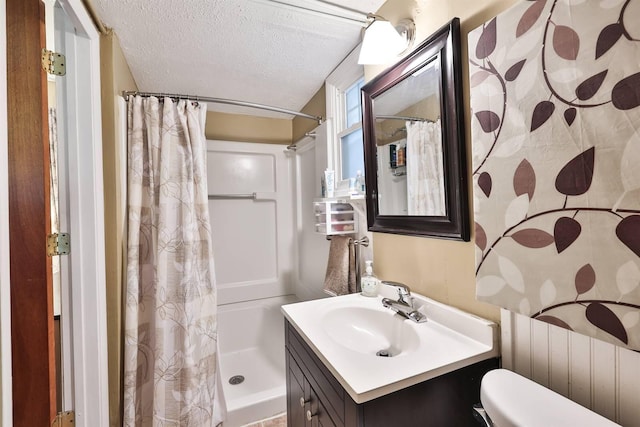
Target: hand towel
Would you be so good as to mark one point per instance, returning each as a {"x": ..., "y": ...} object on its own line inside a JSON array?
[{"x": 340, "y": 278}]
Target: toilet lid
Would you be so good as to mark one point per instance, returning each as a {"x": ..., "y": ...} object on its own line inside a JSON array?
[{"x": 512, "y": 400}]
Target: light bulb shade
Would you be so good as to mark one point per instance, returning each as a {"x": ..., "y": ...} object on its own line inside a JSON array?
[{"x": 381, "y": 43}]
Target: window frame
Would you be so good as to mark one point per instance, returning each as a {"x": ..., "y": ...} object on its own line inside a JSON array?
[{"x": 345, "y": 75}]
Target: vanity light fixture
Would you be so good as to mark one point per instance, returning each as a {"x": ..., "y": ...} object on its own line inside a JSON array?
[{"x": 383, "y": 42}]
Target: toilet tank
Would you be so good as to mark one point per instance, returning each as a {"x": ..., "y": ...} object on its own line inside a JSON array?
[{"x": 512, "y": 400}]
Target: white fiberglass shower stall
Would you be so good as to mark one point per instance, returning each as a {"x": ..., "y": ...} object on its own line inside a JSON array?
[
  {"x": 250, "y": 204},
  {"x": 251, "y": 207},
  {"x": 266, "y": 254}
]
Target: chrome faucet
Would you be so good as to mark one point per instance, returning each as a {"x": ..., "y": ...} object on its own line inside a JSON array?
[{"x": 404, "y": 305}]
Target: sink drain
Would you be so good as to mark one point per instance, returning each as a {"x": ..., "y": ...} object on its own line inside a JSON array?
[
  {"x": 236, "y": 379},
  {"x": 384, "y": 353}
]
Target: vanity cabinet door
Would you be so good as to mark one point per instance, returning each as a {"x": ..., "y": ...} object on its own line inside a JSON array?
[
  {"x": 298, "y": 399},
  {"x": 304, "y": 407},
  {"x": 319, "y": 415}
]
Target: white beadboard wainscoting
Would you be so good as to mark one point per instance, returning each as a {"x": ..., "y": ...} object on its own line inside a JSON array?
[{"x": 596, "y": 374}]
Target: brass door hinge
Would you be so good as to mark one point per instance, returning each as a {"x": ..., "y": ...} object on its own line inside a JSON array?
[
  {"x": 53, "y": 62},
  {"x": 64, "y": 419},
  {"x": 58, "y": 244}
]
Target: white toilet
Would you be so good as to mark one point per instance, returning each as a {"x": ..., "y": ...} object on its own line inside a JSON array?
[{"x": 511, "y": 400}]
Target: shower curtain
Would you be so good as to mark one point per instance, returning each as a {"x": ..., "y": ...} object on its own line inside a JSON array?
[
  {"x": 170, "y": 348},
  {"x": 425, "y": 177}
]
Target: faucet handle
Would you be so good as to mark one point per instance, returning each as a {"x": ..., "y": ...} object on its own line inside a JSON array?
[{"x": 404, "y": 293}]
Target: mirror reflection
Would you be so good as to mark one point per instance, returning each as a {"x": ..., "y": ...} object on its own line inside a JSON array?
[{"x": 409, "y": 145}]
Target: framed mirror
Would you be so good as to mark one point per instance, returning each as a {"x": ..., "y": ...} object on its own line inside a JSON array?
[{"x": 414, "y": 143}]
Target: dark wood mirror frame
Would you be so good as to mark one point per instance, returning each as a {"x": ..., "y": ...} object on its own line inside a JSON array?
[{"x": 442, "y": 46}]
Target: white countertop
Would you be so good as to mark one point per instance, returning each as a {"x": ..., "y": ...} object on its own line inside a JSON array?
[{"x": 449, "y": 340}]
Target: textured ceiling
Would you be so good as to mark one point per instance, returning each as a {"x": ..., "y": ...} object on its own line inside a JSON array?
[{"x": 246, "y": 50}]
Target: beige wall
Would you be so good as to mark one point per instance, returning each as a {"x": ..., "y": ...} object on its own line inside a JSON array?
[
  {"x": 317, "y": 106},
  {"x": 116, "y": 77},
  {"x": 441, "y": 269},
  {"x": 242, "y": 128}
]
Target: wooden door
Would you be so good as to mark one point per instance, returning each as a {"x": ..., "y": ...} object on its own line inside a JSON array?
[{"x": 32, "y": 339}]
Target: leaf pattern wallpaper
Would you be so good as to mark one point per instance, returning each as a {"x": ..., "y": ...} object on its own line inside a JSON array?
[{"x": 555, "y": 100}]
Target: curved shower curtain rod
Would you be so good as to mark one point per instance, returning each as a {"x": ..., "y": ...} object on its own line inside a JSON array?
[{"x": 319, "y": 119}]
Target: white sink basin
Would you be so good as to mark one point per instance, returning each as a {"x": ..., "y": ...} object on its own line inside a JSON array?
[
  {"x": 370, "y": 332},
  {"x": 347, "y": 332}
]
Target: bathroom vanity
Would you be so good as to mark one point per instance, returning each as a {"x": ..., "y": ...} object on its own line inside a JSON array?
[
  {"x": 335, "y": 378},
  {"x": 316, "y": 398}
]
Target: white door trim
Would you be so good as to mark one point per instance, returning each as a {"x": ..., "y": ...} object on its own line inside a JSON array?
[
  {"x": 6, "y": 406},
  {"x": 82, "y": 128}
]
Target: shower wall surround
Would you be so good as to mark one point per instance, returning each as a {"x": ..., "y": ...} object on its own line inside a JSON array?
[{"x": 555, "y": 99}]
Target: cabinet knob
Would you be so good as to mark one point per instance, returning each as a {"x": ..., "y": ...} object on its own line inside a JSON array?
[
  {"x": 310, "y": 415},
  {"x": 303, "y": 402}
]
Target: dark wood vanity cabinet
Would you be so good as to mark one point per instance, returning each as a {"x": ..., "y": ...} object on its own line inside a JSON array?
[
  {"x": 315, "y": 398},
  {"x": 304, "y": 407}
]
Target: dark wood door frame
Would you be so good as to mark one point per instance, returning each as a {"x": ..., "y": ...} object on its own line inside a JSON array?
[{"x": 33, "y": 366}]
